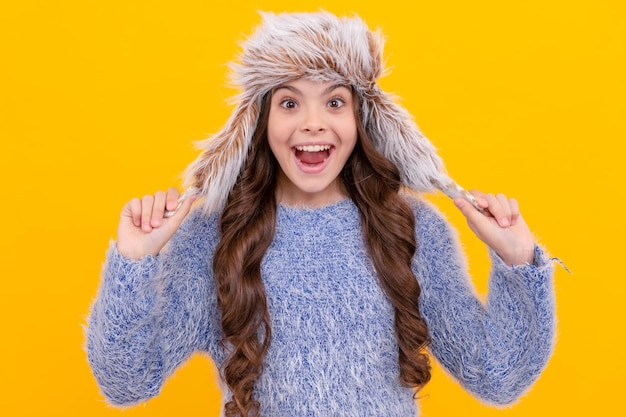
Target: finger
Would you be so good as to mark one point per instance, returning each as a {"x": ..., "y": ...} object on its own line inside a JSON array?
[
  {"x": 172, "y": 199},
  {"x": 133, "y": 210},
  {"x": 515, "y": 213},
  {"x": 158, "y": 208},
  {"x": 498, "y": 207},
  {"x": 146, "y": 213},
  {"x": 505, "y": 207},
  {"x": 472, "y": 215},
  {"x": 480, "y": 198},
  {"x": 179, "y": 214},
  {"x": 184, "y": 208}
]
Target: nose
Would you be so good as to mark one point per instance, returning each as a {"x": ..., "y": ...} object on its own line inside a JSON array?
[{"x": 313, "y": 121}]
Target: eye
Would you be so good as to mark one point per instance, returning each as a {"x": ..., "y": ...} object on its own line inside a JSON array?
[
  {"x": 288, "y": 103},
  {"x": 336, "y": 102}
]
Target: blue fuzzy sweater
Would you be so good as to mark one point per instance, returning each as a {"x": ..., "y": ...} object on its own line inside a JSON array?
[{"x": 333, "y": 348}]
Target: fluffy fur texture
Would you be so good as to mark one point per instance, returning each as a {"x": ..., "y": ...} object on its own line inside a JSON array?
[
  {"x": 323, "y": 47},
  {"x": 334, "y": 350}
]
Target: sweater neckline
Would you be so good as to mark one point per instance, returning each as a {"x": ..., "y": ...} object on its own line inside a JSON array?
[{"x": 346, "y": 202}]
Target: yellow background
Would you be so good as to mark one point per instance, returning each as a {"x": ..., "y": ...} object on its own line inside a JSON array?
[{"x": 101, "y": 101}]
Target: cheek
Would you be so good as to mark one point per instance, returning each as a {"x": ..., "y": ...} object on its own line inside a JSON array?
[
  {"x": 278, "y": 130},
  {"x": 352, "y": 137},
  {"x": 349, "y": 131},
  {"x": 278, "y": 143},
  {"x": 272, "y": 134}
]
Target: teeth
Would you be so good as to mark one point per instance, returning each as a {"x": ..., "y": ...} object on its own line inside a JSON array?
[{"x": 313, "y": 148}]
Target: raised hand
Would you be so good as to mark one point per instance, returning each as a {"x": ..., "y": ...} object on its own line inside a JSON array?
[
  {"x": 500, "y": 226},
  {"x": 143, "y": 229}
]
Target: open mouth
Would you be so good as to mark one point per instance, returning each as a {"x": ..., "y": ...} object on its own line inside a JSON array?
[{"x": 313, "y": 155}]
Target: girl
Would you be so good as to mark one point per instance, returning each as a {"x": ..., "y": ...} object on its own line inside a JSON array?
[{"x": 311, "y": 275}]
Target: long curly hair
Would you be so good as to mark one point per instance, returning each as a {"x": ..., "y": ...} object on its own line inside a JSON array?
[{"x": 247, "y": 228}]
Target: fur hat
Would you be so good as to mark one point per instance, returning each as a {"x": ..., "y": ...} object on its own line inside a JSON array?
[{"x": 318, "y": 46}]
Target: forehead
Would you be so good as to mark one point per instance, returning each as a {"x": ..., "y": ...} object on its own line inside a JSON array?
[{"x": 306, "y": 87}]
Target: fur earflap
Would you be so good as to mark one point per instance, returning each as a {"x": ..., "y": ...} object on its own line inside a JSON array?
[{"x": 323, "y": 47}]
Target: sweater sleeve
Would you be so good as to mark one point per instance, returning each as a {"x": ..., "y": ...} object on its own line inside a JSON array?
[
  {"x": 497, "y": 348},
  {"x": 149, "y": 316}
]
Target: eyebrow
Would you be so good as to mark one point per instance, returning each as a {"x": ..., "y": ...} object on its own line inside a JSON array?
[{"x": 328, "y": 90}]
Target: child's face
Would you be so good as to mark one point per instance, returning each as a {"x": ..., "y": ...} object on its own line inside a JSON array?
[{"x": 312, "y": 132}]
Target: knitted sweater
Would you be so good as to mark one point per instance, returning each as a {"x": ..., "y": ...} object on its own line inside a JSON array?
[{"x": 333, "y": 349}]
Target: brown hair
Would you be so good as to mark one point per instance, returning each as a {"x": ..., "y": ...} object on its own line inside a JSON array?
[{"x": 247, "y": 229}]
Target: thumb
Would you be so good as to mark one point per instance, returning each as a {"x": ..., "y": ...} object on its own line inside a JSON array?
[
  {"x": 474, "y": 217},
  {"x": 465, "y": 207},
  {"x": 176, "y": 216}
]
